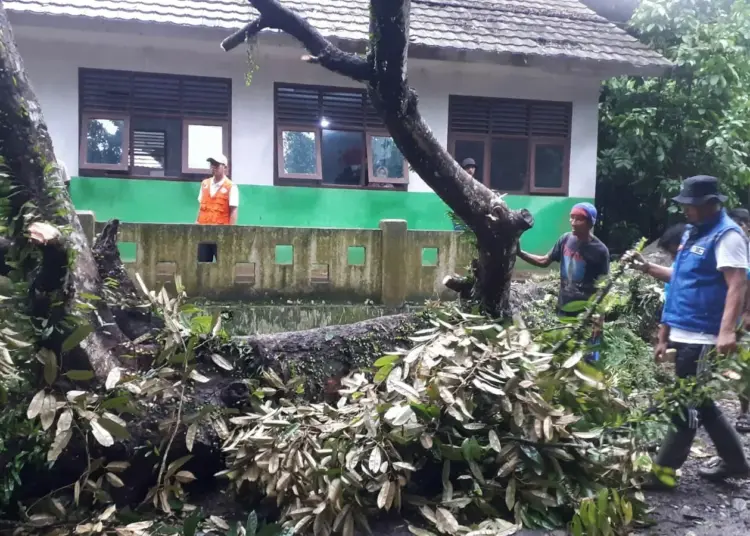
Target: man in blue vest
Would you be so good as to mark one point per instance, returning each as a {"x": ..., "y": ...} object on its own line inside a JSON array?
[{"x": 705, "y": 301}]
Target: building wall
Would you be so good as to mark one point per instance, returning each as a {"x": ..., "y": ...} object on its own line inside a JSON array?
[{"x": 52, "y": 59}]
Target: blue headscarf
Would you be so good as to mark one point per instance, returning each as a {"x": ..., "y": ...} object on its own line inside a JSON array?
[{"x": 587, "y": 210}]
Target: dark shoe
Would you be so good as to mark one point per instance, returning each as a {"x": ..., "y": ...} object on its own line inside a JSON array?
[
  {"x": 652, "y": 483},
  {"x": 722, "y": 471},
  {"x": 729, "y": 447}
]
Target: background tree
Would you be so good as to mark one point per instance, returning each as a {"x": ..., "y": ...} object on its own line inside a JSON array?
[
  {"x": 383, "y": 70},
  {"x": 655, "y": 132}
]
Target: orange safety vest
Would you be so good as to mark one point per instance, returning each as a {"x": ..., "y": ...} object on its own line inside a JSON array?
[{"x": 214, "y": 210}]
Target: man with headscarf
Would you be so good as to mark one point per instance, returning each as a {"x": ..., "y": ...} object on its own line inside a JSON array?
[{"x": 583, "y": 257}]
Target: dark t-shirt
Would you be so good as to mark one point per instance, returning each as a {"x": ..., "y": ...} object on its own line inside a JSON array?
[{"x": 581, "y": 265}]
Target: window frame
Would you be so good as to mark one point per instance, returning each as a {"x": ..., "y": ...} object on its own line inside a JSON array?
[
  {"x": 186, "y": 122},
  {"x": 369, "y": 134},
  {"x": 366, "y": 180},
  {"x": 317, "y": 177},
  {"x": 128, "y": 170},
  {"x": 487, "y": 138},
  {"x": 83, "y": 163},
  {"x": 560, "y": 142}
]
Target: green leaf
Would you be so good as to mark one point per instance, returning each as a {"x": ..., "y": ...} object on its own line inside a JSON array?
[
  {"x": 190, "y": 525},
  {"x": 273, "y": 529},
  {"x": 383, "y": 373},
  {"x": 50, "y": 365},
  {"x": 386, "y": 360},
  {"x": 601, "y": 501},
  {"x": 575, "y": 307},
  {"x": 429, "y": 413},
  {"x": 251, "y": 526},
  {"x": 80, "y": 375},
  {"x": 117, "y": 430},
  {"x": 75, "y": 338}
]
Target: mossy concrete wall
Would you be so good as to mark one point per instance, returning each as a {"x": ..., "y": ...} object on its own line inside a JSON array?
[
  {"x": 161, "y": 201},
  {"x": 390, "y": 265}
]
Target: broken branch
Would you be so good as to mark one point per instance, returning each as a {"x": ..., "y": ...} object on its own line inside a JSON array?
[{"x": 274, "y": 15}]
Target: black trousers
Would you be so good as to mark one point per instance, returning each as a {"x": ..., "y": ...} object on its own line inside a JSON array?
[{"x": 691, "y": 360}]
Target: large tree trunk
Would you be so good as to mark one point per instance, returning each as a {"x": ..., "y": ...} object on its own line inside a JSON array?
[
  {"x": 40, "y": 195},
  {"x": 384, "y": 71}
]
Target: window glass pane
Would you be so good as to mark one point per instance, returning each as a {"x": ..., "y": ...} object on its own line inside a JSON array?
[
  {"x": 203, "y": 141},
  {"x": 156, "y": 149},
  {"x": 549, "y": 161},
  {"x": 298, "y": 150},
  {"x": 387, "y": 160},
  {"x": 471, "y": 149},
  {"x": 509, "y": 164},
  {"x": 343, "y": 156},
  {"x": 104, "y": 141},
  {"x": 149, "y": 149}
]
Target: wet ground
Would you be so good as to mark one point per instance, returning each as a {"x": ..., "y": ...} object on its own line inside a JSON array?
[{"x": 700, "y": 508}]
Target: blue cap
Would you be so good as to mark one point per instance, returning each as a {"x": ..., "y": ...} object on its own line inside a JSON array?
[{"x": 585, "y": 209}]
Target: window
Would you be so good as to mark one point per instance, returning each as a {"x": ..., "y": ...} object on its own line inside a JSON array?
[
  {"x": 152, "y": 125},
  {"x": 519, "y": 146},
  {"x": 333, "y": 137}
]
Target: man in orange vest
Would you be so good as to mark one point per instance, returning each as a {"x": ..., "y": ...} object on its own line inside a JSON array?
[{"x": 218, "y": 200}]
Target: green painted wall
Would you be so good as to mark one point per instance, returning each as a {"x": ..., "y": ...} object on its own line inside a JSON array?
[{"x": 160, "y": 201}]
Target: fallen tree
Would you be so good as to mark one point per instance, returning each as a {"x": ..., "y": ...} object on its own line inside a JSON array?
[{"x": 383, "y": 71}]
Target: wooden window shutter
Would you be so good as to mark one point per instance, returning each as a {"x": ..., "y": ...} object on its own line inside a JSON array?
[
  {"x": 209, "y": 98},
  {"x": 101, "y": 90},
  {"x": 156, "y": 95},
  {"x": 372, "y": 117},
  {"x": 343, "y": 109},
  {"x": 551, "y": 120},
  {"x": 297, "y": 106},
  {"x": 469, "y": 114},
  {"x": 509, "y": 117}
]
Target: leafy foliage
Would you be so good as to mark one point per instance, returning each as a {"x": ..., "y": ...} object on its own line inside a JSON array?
[
  {"x": 654, "y": 132},
  {"x": 518, "y": 432}
]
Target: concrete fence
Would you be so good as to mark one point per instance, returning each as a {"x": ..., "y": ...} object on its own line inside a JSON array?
[{"x": 390, "y": 265}]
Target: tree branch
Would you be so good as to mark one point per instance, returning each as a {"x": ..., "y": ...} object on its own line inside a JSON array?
[
  {"x": 274, "y": 15},
  {"x": 496, "y": 227}
]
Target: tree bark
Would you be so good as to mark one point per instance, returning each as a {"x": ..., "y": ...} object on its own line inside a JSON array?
[
  {"x": 39, "y": 194},
  {"x": 321, "y": 355},
  {"x": 384, "y": 71}
]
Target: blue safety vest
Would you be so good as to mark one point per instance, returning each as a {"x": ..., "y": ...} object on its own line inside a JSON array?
[{"x": 698, "y": 290}]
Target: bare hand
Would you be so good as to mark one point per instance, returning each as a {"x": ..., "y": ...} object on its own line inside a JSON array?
[
  {"x": 43, "y": 233},
  {"x": 727, "y": 342},
  {"x": 660, "y": 352},
  {"x": 636, "y": 261}
]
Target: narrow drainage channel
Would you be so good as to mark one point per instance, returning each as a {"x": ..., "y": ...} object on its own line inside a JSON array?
[{"x": 243, "y": 319}]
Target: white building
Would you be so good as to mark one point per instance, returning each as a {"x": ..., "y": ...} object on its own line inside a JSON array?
[{"x": 512, "y": 83}]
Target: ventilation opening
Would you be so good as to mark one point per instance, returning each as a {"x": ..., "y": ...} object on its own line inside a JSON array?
[
  {"x": 208, "y": 252},
  {"x": 284, "y": 255},
  {"x": 355, "y": 256},
  {"x": 128, "y": 251},
  {"x": 429, "y": 256}
]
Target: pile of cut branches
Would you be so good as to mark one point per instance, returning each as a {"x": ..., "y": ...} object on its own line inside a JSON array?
[{"x": 474, "y": 430}]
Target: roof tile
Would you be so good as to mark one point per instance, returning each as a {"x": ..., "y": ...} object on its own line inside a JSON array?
[{"x": 564, "y": 28}]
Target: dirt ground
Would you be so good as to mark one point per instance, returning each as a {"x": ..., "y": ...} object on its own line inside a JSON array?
[{"x": 700, "y": 508}]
